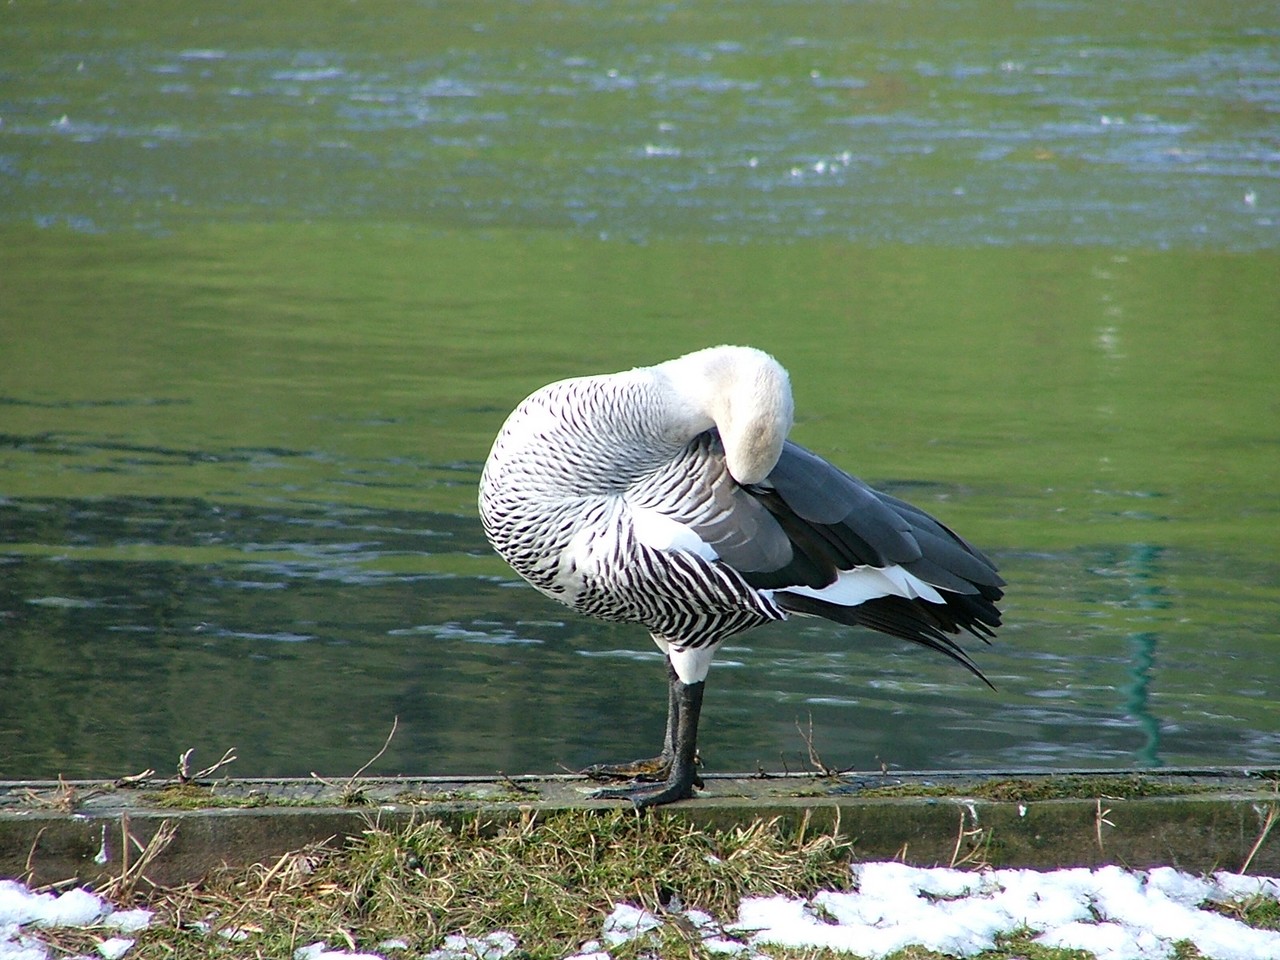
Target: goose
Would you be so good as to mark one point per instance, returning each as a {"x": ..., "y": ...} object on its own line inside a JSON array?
[{"x": 669, "y": 496}]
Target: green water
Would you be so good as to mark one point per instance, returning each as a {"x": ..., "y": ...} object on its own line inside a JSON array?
[{"x": 270, "y": 287}]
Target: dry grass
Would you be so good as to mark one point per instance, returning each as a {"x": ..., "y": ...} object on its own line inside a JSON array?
[
  {"x": 550, "y": 881},
  {"x": 1260, "y": 912}
]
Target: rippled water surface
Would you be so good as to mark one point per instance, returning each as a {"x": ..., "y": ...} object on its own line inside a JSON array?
[{"x": 272, "y": 275}]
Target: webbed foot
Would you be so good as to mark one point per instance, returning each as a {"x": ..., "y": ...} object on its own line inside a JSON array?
[{"x": 652, "y": 794}]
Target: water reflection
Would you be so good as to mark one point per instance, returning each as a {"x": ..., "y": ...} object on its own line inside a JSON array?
[
  {"x": 271, "y": 286},
  {"x": 828, "y": 120},
  {"x": 114, "y": 663}
]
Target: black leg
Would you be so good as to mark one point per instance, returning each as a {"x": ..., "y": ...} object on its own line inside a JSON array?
[
  {"x": 682, "y": 776},
  {"x": 652, "y": 768},
  {"x": 673, "y": 714}
]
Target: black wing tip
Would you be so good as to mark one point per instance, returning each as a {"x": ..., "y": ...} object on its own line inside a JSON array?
[{"x": 918, "y": 621}]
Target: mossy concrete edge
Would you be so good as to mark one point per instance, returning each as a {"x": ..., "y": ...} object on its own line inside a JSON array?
[{"x": 1196, "y": 821}]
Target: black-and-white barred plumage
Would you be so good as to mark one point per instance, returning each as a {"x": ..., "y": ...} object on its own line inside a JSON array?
[{"x": 669, "y": 496}]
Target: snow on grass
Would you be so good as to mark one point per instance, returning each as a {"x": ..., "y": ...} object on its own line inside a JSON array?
[
  {"x": 21, "y": 908},
  {"x": 1113, "y": 913}
]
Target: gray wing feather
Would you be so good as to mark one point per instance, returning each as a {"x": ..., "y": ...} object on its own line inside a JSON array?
[
  {"x": 823, "y": 494},
  {"x": 961, "y": 556},
  {"x": 852, "y": 524}
]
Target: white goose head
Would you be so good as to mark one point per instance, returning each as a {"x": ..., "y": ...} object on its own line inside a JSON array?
[{"x": 744, "y": 393}]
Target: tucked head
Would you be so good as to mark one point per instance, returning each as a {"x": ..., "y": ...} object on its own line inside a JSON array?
[{"x": 746, "y": 394}]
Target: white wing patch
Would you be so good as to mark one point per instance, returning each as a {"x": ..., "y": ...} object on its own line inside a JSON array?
[
  {"x": 660, "y": 532},
  {"x": 861, "y": 584}
]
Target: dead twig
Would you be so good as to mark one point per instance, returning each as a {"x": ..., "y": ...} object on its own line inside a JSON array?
[
  {"x": 350, "y": 792},
  {"x": 29, "y": 869},
  {"x": 136, "y": 779},
  {"x": 1099, "y": 821},
  {"x": 815, "y": 759},
  {"x": 185, "y": 775},
  {"x": 978, "y": 838},
  {"x": 121, "y": 888},
  {"x": 62, "y": 799},
  {"x": 395, "y": 723},
  {"x": 1268, "y": 822}
]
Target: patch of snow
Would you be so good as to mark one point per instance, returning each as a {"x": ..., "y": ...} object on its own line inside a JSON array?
[
  {"x": 113, "y": 948},
  {"x": 21, "y": 907},
  {"x": 492, "y": 946},
  {"x": 127, "y": 921},
  {"x": 75, "y": 908},
  {"x": 320, "y": 951},
  {"x": 1113, "y": 913},
  {"x": 628, "y": 922},
  {"x": 22, "y": 948}
]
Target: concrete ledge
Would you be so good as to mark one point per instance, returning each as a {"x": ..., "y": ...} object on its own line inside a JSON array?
[{"x": 1195, "y": 820}]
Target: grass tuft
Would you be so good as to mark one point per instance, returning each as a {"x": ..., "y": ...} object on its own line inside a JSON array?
[
  {"x": 549, "y": 880},
  {"x": 1261, "y": 912}
]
